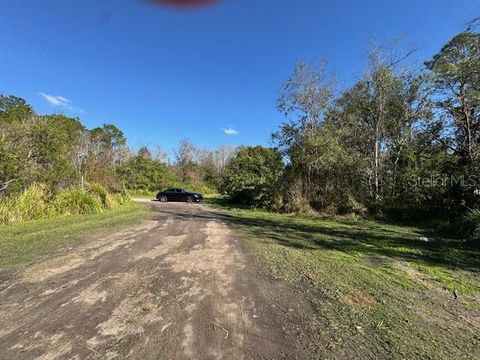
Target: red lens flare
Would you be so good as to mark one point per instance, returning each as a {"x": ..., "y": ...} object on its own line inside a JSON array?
[{"x": 184, "y": 3}]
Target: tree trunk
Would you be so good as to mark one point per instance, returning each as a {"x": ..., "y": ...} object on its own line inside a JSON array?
[
  {"x": 376, "y": 164},
  {"x": 468, "y": 125}
]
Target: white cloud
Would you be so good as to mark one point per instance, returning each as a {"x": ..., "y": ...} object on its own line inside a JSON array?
[
  {"x": 56, "y": 100},
  {"x": 61, "y": 101},
  {"x": 230, "y": 131}
]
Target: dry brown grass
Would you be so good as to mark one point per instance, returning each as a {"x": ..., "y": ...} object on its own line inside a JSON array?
[{"x": 358, "y": 300}]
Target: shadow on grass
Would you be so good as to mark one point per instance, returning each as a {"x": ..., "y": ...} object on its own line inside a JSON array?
[{"x": 370, "y": 238}]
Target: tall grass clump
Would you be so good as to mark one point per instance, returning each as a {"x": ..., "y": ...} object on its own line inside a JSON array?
[
  {"x": 77, "y": 202},
  {"x": 38, "y": 202},
  {"x": 5, "y": 210},
  {"x": 32, "y": 204},
  {"x": 120, "y": 199},
  {"x": 107, "y": 200}
]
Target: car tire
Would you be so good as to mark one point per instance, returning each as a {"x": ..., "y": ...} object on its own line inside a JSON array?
[
  {"x": 190, "y": 199},
  {"x": 163, "y": 199}
]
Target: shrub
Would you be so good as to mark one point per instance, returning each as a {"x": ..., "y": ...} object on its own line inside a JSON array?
[
  {"x": 472, "y": 225},
  {"x": 292, "y": 198},
  {"x": 251, "y": 177},
  {"x": 140, "y": 173},
  {"x": 347, "y": 205}
]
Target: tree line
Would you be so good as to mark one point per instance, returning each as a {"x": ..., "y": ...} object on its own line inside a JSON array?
[
  {"x": 59, "y": 152},
  {"x": 401, "y": 141}
]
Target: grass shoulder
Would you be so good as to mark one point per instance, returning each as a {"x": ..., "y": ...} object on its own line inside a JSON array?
[
  {"x": 25, "y": 241},
  {"x": 391, "y": 288}
]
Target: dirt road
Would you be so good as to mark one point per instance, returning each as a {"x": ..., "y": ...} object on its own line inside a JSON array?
[{"x": 180, "y": 285}]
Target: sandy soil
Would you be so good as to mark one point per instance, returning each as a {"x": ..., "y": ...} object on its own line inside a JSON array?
[{"x": 180, "y": 285}]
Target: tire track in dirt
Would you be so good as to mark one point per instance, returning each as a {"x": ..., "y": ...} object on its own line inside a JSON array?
[{"x": 176, "y": 286}]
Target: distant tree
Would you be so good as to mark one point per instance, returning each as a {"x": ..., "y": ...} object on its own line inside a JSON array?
[
  {"x": 201, "y": 167},
  {"x": 185, "y": 161},
  {"x": 143, "y": 173},
  {"x": 207, "y": 167},
  {"x": 222, "y": 156},
  {"x": 252, "y": 175},
  {"x": 305, "y": 99},
  {"x": 455, "y": 73},
  {"x": 111, "y": 136},
  {"x": 81, "y": 156},
  {"x": 145, "y": 153},
  {"x": 13, "y": 108},
  {"x": 107, "y": 151},
  {"x": 53, "y": 141},
  {"x": 306, "y": 95},
  {"x": 15, "y": 155},
  {"x": 161, "y": 155}
]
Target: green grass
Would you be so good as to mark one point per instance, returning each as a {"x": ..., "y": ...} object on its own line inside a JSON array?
[
  {"x": 142, "y": 194},
  {"x": 25, "y": 241},
  {"x": 380, "y": 277}
]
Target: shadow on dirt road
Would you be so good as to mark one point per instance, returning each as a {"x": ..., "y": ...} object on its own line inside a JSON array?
[{"x": 180, "y": 285}]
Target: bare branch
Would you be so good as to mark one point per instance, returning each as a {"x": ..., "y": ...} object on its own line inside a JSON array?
[
  {"x": 6, "y": 184},
  {"x": 398, "y": 61},
  {"x": 472, "y": 24}
]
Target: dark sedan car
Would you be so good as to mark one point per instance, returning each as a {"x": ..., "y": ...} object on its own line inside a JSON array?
[{"x": 179, "y": 195}]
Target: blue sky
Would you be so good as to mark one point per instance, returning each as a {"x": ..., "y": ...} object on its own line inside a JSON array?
[{"x": 161, "y": 74}]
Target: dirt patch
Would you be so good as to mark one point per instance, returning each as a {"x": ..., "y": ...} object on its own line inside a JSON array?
[
  {"x": 119, "y": 239},
  {"x": 358, "y": 300},
  {"x": 91, "y": 295},
  {"x": 180, "y": 285},
  {"x": 168, "y": 244},
  {"x": 50, "y": 268},
  {"x": 129, "y": 317}
]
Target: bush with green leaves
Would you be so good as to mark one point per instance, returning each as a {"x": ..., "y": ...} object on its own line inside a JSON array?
[
  {"x": 472, "y": 225},
  {"x": 145, "y": 174},
  {"x": 252, "y": 175}
]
